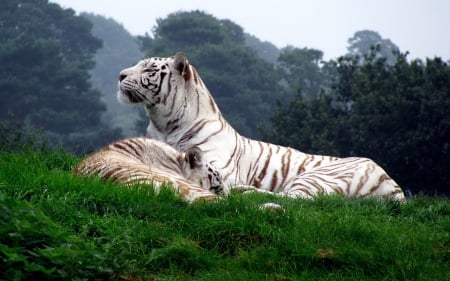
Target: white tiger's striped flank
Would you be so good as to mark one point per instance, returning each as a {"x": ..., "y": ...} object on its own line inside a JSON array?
[
  {"x": 147, "y": 161},
  {"x": 183, "y": 114}
]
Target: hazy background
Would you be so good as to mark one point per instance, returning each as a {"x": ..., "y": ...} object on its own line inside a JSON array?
[{"x": 421, "y": 27}]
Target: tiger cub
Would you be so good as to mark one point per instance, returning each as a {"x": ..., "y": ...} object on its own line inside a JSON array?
[{"x": 148, "y": 161}]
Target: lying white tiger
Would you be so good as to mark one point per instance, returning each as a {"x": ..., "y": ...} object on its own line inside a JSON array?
[
  {"x": 183, "y": 114},
  {"x": 148, "y": 161}
]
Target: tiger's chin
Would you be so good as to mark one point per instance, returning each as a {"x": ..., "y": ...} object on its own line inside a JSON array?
[{"x": 127, "y": 97}]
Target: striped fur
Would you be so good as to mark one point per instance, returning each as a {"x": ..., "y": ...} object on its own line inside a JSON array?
[
  {"x": 148, "y": 161},
  {"x": 183, "y": 114}
]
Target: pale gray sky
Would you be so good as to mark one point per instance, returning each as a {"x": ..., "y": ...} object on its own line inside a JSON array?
[{"x": 421, "y": 27}]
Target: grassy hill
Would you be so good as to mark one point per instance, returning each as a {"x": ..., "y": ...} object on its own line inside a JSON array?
[{"x": 54, "y": 226}]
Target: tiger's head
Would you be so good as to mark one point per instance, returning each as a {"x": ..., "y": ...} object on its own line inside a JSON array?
[
  {"x": 151, "y": 80},
  {"x": 171, "y": 91},
  {"x": 203, "y": 173}
]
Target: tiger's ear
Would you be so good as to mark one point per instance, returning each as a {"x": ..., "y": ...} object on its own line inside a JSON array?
[
  {"x": 180, "y": 62},
  {"x": 194, "y": 157}
]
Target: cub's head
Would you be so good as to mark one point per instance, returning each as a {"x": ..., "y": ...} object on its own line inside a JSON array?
[
  {"x": 202, "y": 172},
  {"x": 151, "y": 80}
]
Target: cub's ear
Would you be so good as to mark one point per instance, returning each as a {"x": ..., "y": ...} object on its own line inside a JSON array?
[
  {"x": 194, "y": 157},
  {"x": 180, "y": 62}
]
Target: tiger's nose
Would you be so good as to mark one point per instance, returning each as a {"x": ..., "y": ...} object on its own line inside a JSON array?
[{"x": 122, "y": 76}]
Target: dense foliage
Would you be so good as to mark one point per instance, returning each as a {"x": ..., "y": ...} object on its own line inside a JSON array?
[
  {"x": 54, "y": 226},
  {"x": 396, "y": 114},
  {"x": 301, "y": 72},
  {"x": 46, "y": 54},
  {"x": 363, "y": 41}
]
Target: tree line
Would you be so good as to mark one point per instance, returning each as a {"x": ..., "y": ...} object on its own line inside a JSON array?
[
  {"x": 395, "y": 113},
  {"x": 59, "y": 79},
  {"x": 46, "y": 53}
]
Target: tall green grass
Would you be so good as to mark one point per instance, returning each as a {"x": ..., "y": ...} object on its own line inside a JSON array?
[{"x": 54, "y": 226}]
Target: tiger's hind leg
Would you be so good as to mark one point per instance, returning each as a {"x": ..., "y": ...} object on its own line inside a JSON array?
[{"x": 352, "y": 177}]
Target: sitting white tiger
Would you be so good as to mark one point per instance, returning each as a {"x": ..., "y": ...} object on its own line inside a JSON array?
[
  {"x": 183, "y": 114},
  {"x": 148, "y": 161}
]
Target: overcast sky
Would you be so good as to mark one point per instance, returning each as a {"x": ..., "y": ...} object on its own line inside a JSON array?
[{"x": 421, "y": 27}]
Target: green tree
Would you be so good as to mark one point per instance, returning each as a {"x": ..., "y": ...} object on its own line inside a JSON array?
[
  {"x": 46, "y": 54},
  {"x": 243, "y": 84},
  {"x": 364, "y": 41},
  {"x": 265, "y": 50},
  {"x": 301, "y": 69}
]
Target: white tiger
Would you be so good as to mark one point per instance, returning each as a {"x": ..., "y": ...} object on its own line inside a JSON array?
[
  {"x": 183, "y": 114},
  {"x": 148, "y": 161}
]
